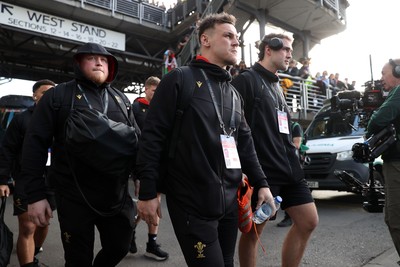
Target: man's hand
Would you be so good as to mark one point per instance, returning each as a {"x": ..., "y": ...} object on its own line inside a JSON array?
[
  {"x": 265, "y": 195},
  {"x": 4, "y": 191},
  {"x": 40, "y": 213},
  {"x": 149, "y": 210}
]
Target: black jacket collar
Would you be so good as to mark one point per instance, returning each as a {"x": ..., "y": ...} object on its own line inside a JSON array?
[
  {"x": 212, "y": 70},
  {"x": 266, "y": 74}
]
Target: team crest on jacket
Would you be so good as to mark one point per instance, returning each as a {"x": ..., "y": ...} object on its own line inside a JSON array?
[
  {"x": 199, "y": 83},
  {"x": 200, "y": 249},
  {"x": 79, "y": 96}
]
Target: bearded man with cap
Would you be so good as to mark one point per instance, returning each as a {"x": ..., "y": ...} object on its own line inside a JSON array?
[{"x": 86, "y": 198}]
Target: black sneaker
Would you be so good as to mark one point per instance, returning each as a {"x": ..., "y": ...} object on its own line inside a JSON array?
[
  {"x": 287, "y": 221},
  {"x": 36, "y": 262},
  {"x": 155, "y": 252},
  {"x": 38, "y": 250},
  {"x": 133, "y": 248}
]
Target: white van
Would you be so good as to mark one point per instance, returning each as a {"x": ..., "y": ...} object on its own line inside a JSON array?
[{"x": 330, "y": 138}]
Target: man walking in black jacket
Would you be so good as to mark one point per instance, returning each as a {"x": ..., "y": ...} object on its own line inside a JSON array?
[
  {"x": 140, "y": 107},
  {"x": 268, "y": 116},
  {"x": 205, "y": 172},
  {"x": 30, "y": 236},
  {"x": 86, "y": 196}
]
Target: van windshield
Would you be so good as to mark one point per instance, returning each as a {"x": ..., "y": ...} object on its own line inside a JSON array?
[{"x": 334, "y": 124}]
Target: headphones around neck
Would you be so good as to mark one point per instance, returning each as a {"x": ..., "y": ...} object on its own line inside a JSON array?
[
  {"x": 277, "y": 44},
  {"x": 396, "y": 68}
]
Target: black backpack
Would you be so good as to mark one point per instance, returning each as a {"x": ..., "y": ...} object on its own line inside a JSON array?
[
  {"x": 107, "y": 146},
  {"x": 257, "y": 101},
  {"x": 184, "y": 99},
  {"x": 185, "y": 95},
  {"x": 104, "y": 145}
]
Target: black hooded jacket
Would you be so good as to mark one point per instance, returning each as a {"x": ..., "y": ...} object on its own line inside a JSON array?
[
  {"x": 197, "y": 178},
  {"x": 11, "y": 148},
  {"x": 47, "y": 128},
  {"x": 276, "y": 151}
]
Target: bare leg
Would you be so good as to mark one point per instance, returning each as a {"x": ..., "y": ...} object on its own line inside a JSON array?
[
  {"x": 154, "y": 229},
  {"x": 25, "y": 241},
  {"x": 248, "y": 246},
  {"x": 40, "y": 236},
  {"x": 305, "y": 220}
]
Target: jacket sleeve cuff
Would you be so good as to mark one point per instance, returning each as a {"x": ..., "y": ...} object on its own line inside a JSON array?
[
  {"x": 36, "y": 197},
  {"x": 4, "y": 180},
  {"x": 148, "y": 189},
  {"x": 260, "y": 184}
]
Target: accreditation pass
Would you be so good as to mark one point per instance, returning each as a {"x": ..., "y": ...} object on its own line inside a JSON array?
[{"x": 231, "y": 155}]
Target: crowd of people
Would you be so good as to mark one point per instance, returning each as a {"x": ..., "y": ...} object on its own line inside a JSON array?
[
  {"x": 324, "y": 81},
  {"x": 193, "y": 137}
]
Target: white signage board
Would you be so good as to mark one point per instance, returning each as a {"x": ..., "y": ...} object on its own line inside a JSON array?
[{"x": 32, "y": 20}]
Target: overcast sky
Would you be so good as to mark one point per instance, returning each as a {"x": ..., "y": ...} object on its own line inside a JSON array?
[{"x": 371, "y": 30}]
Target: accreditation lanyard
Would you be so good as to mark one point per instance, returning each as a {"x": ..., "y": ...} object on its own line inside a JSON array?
[
  {"x": 105, "y": 99},
  {"x": 283, "y": 122},
  {"x": 231, "y": 155}
]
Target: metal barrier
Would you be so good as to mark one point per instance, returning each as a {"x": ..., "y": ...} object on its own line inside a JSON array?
[
  {"x": 151, "y": 13},
  {"x": 127, "y": 7},
  {"x": 305, "y": 96},
  {"x": 339, "y": 7}
]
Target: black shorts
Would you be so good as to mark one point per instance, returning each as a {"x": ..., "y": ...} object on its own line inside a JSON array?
[{"x": 292, "y": 195}]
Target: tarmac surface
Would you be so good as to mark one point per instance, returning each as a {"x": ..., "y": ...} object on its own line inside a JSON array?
[
  {"x": 387, "y": 259},
  {"x": 53, "y": 252}
]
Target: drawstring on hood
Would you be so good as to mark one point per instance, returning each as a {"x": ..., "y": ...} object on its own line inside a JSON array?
[{"x": 96, "y": 49}]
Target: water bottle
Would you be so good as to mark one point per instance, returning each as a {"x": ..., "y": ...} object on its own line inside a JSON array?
[{"x": 265, "y": 211}]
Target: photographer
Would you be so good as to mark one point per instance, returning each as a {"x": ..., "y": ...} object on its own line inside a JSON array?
[{"x": 389, "y": 112}]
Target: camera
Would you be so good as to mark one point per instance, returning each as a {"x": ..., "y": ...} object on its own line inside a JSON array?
[
  {"x": 373, "y": 193},
  {"x": 364, "y": 104},
  {"x": 347, "y": 104},
  {"x": 373, "y": 95},
  {"x": 374, "y": 146},
  {"x": 346, "y": 101},
  {"x": 366, "y": 153}
]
